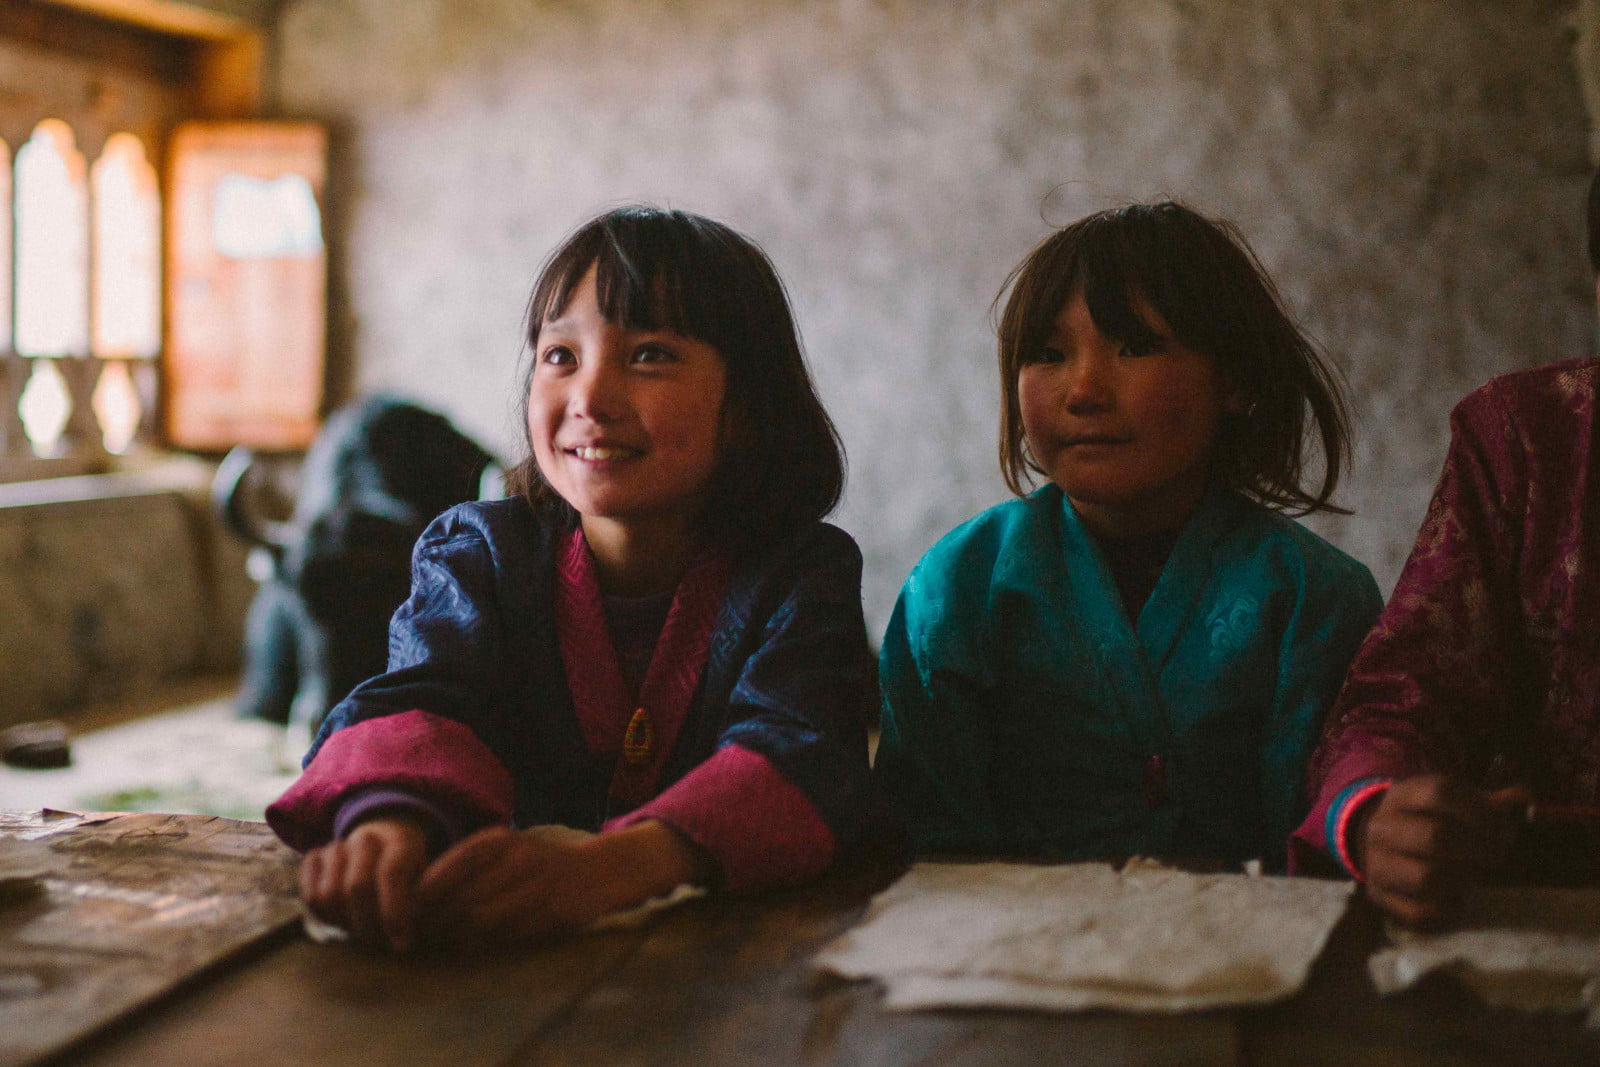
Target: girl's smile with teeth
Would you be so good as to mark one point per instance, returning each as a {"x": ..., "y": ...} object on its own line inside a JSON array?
[{"x": 604, "y": 452}]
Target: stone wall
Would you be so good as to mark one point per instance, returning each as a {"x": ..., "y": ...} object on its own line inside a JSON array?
[
  {"x": 112, "y": 587},
  {"x": 1411, "y": 173}
]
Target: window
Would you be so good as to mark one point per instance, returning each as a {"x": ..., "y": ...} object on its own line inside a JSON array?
[
  {"x": 95, "y": 96},
  {"x": 126, "y": 315},
  {"x": 125, "y": 297},
  {"x": 245, "y": 353},
  {"x": 88, "y": 299}
]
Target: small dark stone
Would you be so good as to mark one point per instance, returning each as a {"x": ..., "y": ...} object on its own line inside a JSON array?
[{"x": 36, "y": 745}]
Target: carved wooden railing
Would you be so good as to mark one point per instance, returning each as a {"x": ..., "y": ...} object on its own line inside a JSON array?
[{"x": 81, "y": 447}]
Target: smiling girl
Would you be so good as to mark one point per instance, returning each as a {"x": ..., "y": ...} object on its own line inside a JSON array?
[
  {"x": 656, "y": 638},
  {"x": 1136, "y": 657}
]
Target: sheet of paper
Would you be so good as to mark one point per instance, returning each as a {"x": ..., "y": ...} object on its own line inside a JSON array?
[
  {"x": 1077, "y": 936},
  {"x": 1530, "y": 949}
]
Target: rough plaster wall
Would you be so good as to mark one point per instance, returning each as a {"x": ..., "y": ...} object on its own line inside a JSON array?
[
  {"x": 1411, "y": 173},
  {"x": 109, "y": 597}
]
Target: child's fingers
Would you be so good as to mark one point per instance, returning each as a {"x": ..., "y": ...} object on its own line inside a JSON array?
[
  {"x": 315, "y": 882},
  {"x": 1435, "y": 816},
  {"x": 311, "y": 876},
  {"x": 494, "y": 880},
  {"x": 359, "y": 889},
  {"x": 1417, "y": 890},
  {"x": 397, "y": 873},
  {"x": 1408, "y": 875},
  {"x": 527, "y": 913},
  {"x": 460, "y": 865},
  {"x": 1408, "y": 834},
  {"x": 1436, "y": 795},
  {"x": 476, "y": 907},
  {"x": 1410, "y": 910},
  {"x": 498, "y": 917},
  {"x": 323, "y": 882},
  {"x": 520, "y": 903},
  {"x": 1429, "y": 837}
]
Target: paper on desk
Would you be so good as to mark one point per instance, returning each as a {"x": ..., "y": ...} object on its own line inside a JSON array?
[
  {"x": 1530, "y": 949},
  {"x": 1087, "y": 936}
]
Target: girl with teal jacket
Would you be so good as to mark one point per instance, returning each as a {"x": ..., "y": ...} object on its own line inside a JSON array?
[{"x": 1136, "y": 657}]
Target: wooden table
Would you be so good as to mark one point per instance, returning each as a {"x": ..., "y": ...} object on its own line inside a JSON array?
[{"x": 719, "y": 980}]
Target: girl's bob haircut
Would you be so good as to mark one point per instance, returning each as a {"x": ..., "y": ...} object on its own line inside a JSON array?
[
  {"x": 781, "y": 466},
  {"x": 1203, "y": 280}
]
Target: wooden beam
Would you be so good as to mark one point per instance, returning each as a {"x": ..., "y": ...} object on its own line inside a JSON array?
[
  {"x": 60, "y": 28},
  {"x": 222, "y": 56},
  {"x": 228, "y": 77},
  {"x": 166, "y": 16}
]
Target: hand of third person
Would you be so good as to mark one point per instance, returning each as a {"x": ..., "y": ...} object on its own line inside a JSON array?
[{"x": 1424, "y": 841}]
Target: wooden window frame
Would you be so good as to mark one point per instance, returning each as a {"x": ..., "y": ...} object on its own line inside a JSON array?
[{"x": 219, "y": 61}]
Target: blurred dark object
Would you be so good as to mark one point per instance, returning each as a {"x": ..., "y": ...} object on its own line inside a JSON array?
[
  {"x": 36, "y": 745},
  {"x": 1554, "y": 845},
  {"x": 331, "y": 575}
]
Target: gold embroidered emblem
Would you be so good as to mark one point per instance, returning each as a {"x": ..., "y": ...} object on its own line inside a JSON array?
[{"x": 636, "y": 743}]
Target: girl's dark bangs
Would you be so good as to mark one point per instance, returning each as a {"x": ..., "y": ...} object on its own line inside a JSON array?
[
  {"x": 1048, "y": 282},
  {"x": 652, "y": 272},
  {"x": 1110, "y": 278},
  {"x": 635, "y": 288},
  {"x": 555, "y": 285}
]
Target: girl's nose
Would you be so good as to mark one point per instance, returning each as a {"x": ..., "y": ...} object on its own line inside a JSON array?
[
  {"x": 1089, "y": 386},
  {"x": 597, "y": 391}
]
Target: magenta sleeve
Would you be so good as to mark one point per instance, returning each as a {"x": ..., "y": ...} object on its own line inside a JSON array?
[
  {"x": 1311, "y": 850},
  {"x": 437, "y": 759},
  {"x": 759, "y": 827}
]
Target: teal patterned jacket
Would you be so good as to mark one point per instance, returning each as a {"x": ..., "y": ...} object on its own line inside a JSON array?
[{"x": 1024, "y": 714}]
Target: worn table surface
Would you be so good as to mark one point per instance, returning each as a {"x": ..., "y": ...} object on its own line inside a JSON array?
[
  {"x": 102, "y": 913},
  {"x": 726, "y": 980}
]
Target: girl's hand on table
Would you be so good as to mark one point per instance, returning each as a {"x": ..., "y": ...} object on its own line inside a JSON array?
[
  {"x": 366, "y": 882},
  {"x": 503, "y": 885},
  {"x": 1424, "y": 841}
]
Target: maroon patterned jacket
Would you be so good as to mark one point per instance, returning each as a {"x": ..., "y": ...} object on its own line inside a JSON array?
[{"x": 1486, "y": 662}]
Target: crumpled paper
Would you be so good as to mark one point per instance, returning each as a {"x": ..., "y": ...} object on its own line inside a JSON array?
[
  {"x": 1077, "y": 936},
  {"x": 1529, "y": 949}
]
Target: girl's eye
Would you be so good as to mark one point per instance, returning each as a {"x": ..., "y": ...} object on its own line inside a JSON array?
[
  {"x": 558, "y": 355},
  {"x": 654, "y": 354},
  {"x": 1047, "y": 355},
  {"x": 1145, "y": 347}
]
